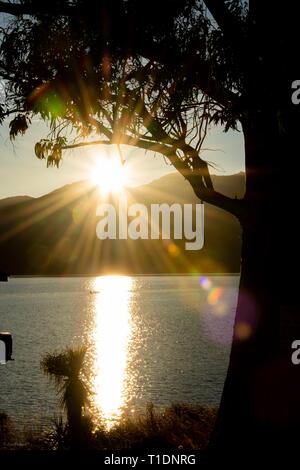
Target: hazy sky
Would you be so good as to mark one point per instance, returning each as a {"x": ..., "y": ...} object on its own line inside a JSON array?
[{"x": 21, "y": 173}]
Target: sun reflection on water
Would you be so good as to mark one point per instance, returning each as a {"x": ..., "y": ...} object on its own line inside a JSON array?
[{"x": 111, "y": 334}]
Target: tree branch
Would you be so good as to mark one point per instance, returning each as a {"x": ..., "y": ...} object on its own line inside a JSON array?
[
  {"x": 100, "y": 127},
  {"x": 196, "y": 177},
  {"x": 201, "y": 182},
  {"x": 86, "y": 144},
  {"x": 194, "y": 67},
  {"x": 18, "y": 9},
  {"x": 234, "y": 206},
  {"x": 226, "y": 21}
]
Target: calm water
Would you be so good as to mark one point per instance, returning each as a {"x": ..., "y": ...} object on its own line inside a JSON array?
[{"x": 150, "y": 339}]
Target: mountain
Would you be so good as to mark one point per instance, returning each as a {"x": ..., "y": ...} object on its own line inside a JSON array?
[
  {"x": 56, "y": 233},
  {"x": 174, "y": 184},
  {"x": 11, "y": 201}
]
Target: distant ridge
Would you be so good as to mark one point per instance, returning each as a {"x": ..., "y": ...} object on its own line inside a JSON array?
[
  {"x": 56, "y": 233},
  {"x": 9, "y": 201},
  {"x": 231, "y": 185}
]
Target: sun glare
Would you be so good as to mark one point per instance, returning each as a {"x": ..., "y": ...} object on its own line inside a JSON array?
[
  {"x": 109, "y": 175},
  {"x": 111, "y": 334}
]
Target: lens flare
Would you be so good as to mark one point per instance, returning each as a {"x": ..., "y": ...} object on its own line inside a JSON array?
[
  {"x": 214, "y": 295},
  {"x": 173, "y": 250},
  {"x": 242, "y": 331},
  {"x": 205, "y": 283}
]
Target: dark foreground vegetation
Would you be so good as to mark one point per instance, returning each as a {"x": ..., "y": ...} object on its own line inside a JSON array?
[{"x": 178, "y": 427}]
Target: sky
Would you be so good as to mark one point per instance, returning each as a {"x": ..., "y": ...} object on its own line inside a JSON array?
[{"x": 21, "y": 173}]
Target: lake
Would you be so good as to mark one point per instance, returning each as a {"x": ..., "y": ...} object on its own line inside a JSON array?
[{"x": 160, "y": 339}]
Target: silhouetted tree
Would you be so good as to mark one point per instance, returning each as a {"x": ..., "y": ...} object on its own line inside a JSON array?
[
  {"x": 66, "y": 369},
  {"x": 157, "y": 80}
]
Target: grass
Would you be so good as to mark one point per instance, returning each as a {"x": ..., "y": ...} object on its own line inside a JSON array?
[
  {"x": 7, "y": 431},
  {"x": 180, "y": 426}
]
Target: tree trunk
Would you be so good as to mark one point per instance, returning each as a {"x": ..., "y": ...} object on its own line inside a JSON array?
[
  {"x": 75, "y": 429},
  {"x": 260, "y": 406}
]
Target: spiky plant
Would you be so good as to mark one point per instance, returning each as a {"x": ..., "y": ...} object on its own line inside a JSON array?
[{"x": 65, "y": 369}]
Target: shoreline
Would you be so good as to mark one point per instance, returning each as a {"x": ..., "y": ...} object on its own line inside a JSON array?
[{"x": 16, "y": 276}]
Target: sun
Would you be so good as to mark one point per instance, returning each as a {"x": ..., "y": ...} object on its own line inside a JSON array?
[{"x": 109, "y": 175}]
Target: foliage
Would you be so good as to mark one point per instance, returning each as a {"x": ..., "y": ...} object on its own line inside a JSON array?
[
  {"x": 7, "y": 431},
  {"x": 155, "y": 81},
  {"x": 180, "y": 426},
  {"x": 66, "y": 371}
]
